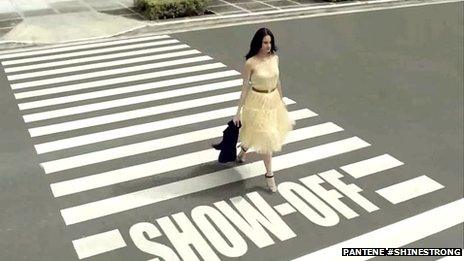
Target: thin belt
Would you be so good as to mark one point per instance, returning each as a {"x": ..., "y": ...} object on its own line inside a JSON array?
[{"x": 263, "y": 91}]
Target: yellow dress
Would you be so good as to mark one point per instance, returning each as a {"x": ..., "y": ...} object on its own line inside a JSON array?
[{"x": 264, "y": 117}]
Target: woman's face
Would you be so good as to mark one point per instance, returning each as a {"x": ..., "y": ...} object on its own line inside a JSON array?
[{"x": 266, "y": 46}]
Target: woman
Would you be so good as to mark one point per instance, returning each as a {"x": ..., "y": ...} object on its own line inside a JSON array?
[{"x": 261, "y": 111}]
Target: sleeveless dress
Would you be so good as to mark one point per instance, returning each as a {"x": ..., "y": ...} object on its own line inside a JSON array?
[{"x": 264, "y": 117}]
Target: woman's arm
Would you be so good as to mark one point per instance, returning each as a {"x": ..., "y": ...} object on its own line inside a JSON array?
[{"x": 246, "y": 73}]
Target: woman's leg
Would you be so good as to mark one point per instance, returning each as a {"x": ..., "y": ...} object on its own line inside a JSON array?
[
  {"x": 270, "y": 181},
  {"x": 267, "y": 159},
  {"x": 241, "y": 155}
]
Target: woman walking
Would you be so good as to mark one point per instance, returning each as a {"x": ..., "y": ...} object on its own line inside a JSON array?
[{"x": 261, "y": 111}]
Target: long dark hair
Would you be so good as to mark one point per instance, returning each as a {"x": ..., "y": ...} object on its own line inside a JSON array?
[{"x": 257, "y": 42}]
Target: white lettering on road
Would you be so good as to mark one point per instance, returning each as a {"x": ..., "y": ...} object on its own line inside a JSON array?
[
  {"x": 137, "y": 233},
  {"x": 187, "y": 237},
  {"x": 351, "y": 190},
  {"x": 308, "y": 204},
  {"x": 330, "y": 196},
  {"x": 238, "y": 245}
]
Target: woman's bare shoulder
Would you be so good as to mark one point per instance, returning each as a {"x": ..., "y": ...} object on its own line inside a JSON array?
[
  {"x": 250, "y": 63},
  {"x": 276, "y": 56},
  {"x": 251, "y": 60}
]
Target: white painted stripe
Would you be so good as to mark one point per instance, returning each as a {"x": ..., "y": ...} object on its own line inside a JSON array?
[
  {"x": 153, "y": 195},
  {"x": 162, "y": 143},
  {"x": 89, "y": 52},
  {"x": 129, "y": 101},
  {"x": 94, "y": 66},
  {"x": 80, "y": 47},
  {"x": 137, "y": 129},
  {"x": 99, "y": 243},
  {"x": 371, "y": 166},
  {"x": 110, "y": 72},
  {"x": 136, "y": 88},
  {"x": 409, "y": 189},
  {"x": 75, "y": 43},
  {"x": 94, "y": 58},
  {"x": 397, "y": 234},
  {"x": 284, "y": 209},
  {"x": 123, "y": 151},
  {"x": 158, "y": 167},
  {"x": 133, "y": 114},
  {"x": 118, "y": 80}
]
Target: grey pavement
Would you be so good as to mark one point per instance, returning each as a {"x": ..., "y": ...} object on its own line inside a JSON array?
[
  {"x": 12, "y": 12},
  {"x": 107, "y": 19},
  {"x": 391, "y": 79}
]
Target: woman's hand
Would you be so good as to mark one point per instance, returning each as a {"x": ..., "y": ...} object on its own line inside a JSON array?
[{"x": 236, "y": 120}]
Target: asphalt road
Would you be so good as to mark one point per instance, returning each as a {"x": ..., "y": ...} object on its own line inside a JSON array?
[{"x": 92, "y": 143}]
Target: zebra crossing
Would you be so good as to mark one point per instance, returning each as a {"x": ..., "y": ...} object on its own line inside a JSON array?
[{"x": 89, "y": 105}]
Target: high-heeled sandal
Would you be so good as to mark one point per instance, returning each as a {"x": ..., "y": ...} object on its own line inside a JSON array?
[
  {"x": 270, "y": 182},
  {"x": 241, "y": 155}
]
